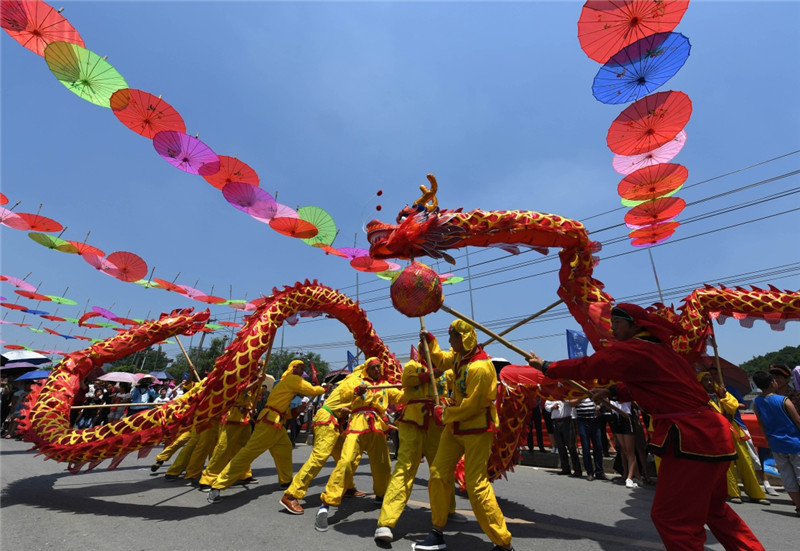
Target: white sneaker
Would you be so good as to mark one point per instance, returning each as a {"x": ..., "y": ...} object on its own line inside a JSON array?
[
  {"x": 629, "y": 483},
  {"x": 384, "y": 533},
  {"x": 769, "y": 490}
]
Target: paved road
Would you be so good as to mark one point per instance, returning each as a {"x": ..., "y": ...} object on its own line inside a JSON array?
[{"x": 43, "y": 507}]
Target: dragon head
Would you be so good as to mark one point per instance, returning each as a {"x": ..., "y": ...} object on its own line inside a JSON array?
[{"x": 417, "y": 233}]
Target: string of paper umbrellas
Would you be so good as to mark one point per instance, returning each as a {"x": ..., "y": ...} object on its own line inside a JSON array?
[
  {"x": 43, "y": 30},
  {"x": 633, "y": 39}
]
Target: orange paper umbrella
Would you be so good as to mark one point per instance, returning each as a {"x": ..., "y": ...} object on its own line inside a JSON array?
[
  {"x": 369, "y": 264},
  {"x": 607, "y": 26},
  {"x": 656, "y": 230},
  {"x": 653, "y": 212},
  {"x": 34, "y": 222},
  {"x": 293, "y": 227},
  {"x": 330, "y": 250},
  {"x": 163, "y": 283},
  {"x": 130, "y": 266},
  {"x": 34, "y": 24},
  {"x": 83, "y": 248},
  {"x": 232, "y": 169},
  {"x": 649, "y": 123},
  {"x": 145, "y": 113},
  {"x": 652, "y": 182}
]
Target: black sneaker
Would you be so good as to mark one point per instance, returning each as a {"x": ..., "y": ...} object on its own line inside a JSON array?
[
  {"x": 155, "y": 466},
  {"x": 321, "y": 521},
  {"x": 378, "y": 500},
  {"x": 248, "y": 480},
  {"x": 213, "y": 496},
  {"x": 171, "y": 477},
  {"x": 204, "y": 487},
  {"x": 434, "y": 542},
  {"x": 501, "y": 548}
]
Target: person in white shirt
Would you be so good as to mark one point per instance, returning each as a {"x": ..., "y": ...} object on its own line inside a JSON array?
[{"x": 563, "y": 417}]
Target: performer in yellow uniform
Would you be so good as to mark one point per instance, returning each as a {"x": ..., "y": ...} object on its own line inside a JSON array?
[
  {"x": 420, "y": 427},
  {"x": 726, "y": 403},
  {"x": 269, "y": 433},
  {"x": 469, "y": 426},
  {"x": 234, "y": 433},
  {"x": 328, "y": 426},
  {"x": 366, "y": 432}
]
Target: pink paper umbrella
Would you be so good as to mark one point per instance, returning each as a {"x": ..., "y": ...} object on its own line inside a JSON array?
[
  {"x": 353, "y": 252},
  {"x": 186, "y": 153},
  {"x": 10, "y": 218},
  {"x": 108, "y": 314},
  {"x": 625, "y": 164},
  {"x": 19, "y": 283},
  {"x": 248, "y": 198},
  {"x": 101, "y": 264}
]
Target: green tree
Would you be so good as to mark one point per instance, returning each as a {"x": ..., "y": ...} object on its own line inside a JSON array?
[
  {"x": 203, "y": 359},
  {"x": 279, "y": 360},
  {"x": 789, "y": 355}
]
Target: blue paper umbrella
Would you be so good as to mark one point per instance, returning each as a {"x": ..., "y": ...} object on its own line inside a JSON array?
[{"x": 641, "y": 68}]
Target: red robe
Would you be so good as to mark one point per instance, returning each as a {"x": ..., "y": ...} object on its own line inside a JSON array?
[{"x": 664, "y": 385}]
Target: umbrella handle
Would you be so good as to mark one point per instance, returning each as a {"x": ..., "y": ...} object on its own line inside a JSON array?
[{"x": 191, "y": 365}]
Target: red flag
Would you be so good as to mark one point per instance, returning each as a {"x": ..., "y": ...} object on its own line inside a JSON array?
[{"x": 314, "y": 373}]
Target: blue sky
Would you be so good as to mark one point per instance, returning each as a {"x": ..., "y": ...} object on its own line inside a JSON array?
[{"x": 331, "y": 102}]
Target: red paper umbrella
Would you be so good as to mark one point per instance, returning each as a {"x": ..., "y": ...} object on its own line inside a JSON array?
[
  {"x": 230, "y": 324},
  {"x": 650, "y": 241},
  {"x": 92, "y": 325},
  {"x": 186, "y": 153},
  {"x": 51, "y": 331},
  {"x": 131, "y": 267},
  {"x": 607, "y": 26},
  {"x": 3, "y": 199},
  {"x": 13, "y": 15},
  {"x": 33, "y": 222},
  {"x": 232, "y": 169},
  {"x": 369, "y": 264},
  {"x": 293, "y": 227},
  {"x": 655, "y": 211},
  {"x": 145, "y": 113},
  {"x": 43, "y": 25},
  {"x": 652, "y": 182},
  {"x": 34, "y": 296},
  {"x": 83, "y": 248},
  {"x": 209, "y": 299},
  {"x": 15, "y": 347},
  {"x": 13, "y": 306},
  {"x": 649, "y": 123},
  {"x": 163, "y": 283},
  {"x": 126, "y": 321},
  {"x": 53, "y": 318},
  {"x": 81, "y": 338}
]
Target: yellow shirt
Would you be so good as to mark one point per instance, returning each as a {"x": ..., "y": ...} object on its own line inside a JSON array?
[
  {"x": 474, "y": 390},
  {"x": 367, "y": 410},
  {"x": 419, "y": 403},
  {"x": 277, "y": 408}
]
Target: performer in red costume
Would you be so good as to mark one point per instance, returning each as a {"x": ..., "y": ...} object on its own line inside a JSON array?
[{"x": 693, "y": 441}]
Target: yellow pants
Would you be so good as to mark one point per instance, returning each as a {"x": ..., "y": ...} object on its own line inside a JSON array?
[
  {"x": 174, "y": 446},
  {"x": 206, "y": 442},
  {"x": 374, "y": 443},
  {"x": 476, "y": 449},
  {"x": 328, "y": 441},
  {"x": 744, "y": 467},
  {"x": 232, "y": 438},
  {"x": 415, "y": 442},
  {"x": 265, "y": 437},
  {"x": 179, "y": 465}
]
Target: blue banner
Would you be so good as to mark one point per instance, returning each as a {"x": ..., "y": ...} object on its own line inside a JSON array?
[
  {"x": 577, "y": 344},
  {"x": 351, "y": 361}
]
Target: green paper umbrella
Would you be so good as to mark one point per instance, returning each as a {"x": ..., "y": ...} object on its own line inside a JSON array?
[
  {"x": 61, "y": 300},
  {"x": 326, "y": 227},
  {"x": 214, "y": 326},
  {"x": 37, "y": 330},
  {"x": 84, "y": 72},
  {"x": 71, "y": 320},
  {"x": 55, "y": 243}
]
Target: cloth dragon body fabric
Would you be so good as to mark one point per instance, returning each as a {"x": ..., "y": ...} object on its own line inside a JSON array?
[{"x": 46, "y": 422}]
